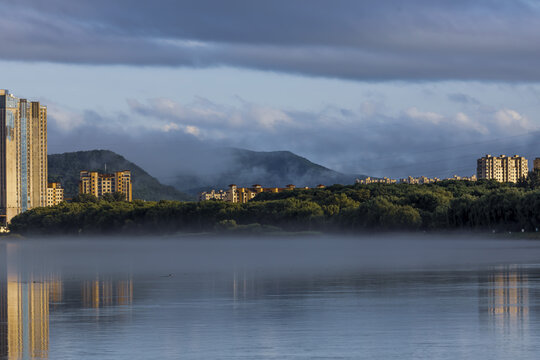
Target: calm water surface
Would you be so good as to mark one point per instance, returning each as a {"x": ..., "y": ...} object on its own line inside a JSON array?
[{"x": 308, "y": 298}]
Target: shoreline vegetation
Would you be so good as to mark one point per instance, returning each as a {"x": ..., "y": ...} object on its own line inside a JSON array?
[{"x": 483, "y": 206}]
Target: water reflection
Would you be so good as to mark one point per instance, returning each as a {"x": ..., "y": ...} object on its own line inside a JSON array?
[
  {"x": 27, "y": 297},
  {"x": 56, "y": 289},
  {"x": 24, "y": 311},
  {"x": 63, "y": 305},
  {"x": 507, "y": 298},
  {"x": 106, "y": 292},
  {"x": 27, "y": 318}
]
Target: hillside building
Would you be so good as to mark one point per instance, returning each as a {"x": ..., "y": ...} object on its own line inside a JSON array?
[
  {"x": 237, "y": 194},
  {"x": 212, "y": 195},
  {"x": 419, "y": 180},
  {"x": 242, "y": 195},
  {"x": 502, "y": 168},
  {"x": 94, "y": 183},
  {"x": 370, "y": 180},
  {"x": 465, "y": 178},
  {"x": 55, "y": 194},
  {"x": 412, "y": 180},
  {"x": 23, "y": 155}
]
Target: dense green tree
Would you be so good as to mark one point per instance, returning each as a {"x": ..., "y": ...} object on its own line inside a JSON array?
[
  {"x": 482, "y": 205},
  {"x": 532, "y": 181},
  {"x": 85, "y": 198},
  {"x": 117, "y": 196}
]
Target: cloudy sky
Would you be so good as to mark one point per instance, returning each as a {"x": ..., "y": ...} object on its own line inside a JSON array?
[{"x": 384, "y": 87}]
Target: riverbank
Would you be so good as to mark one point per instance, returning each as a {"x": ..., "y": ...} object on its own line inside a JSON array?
[{"x": 483, "y": 206}]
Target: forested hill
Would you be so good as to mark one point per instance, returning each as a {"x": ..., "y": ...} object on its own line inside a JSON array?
[
  {"x": 268, "y": 168},
  {"x": 65, "y": 168}
]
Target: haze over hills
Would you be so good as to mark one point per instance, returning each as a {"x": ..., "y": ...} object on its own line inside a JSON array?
[
  {"x": 65, "y": 168},
  {"x": 275, "y": 168},
  {"x": 239, "y": 166}
]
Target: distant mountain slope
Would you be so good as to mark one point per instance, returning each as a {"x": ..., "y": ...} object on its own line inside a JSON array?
[
  {"x": 274, "y": 168},
  {"x": 66, "y": 168}
]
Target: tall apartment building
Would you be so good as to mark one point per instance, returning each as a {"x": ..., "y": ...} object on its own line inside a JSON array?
[
  {"x": 536, "y": 164},
  {"x": 98, "y": 184},
  {"x": 55, "y": 194},
  {"x": 502, "y": 168},
  {"x": 23, "y": 155}
]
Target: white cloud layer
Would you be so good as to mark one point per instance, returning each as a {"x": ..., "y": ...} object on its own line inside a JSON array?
[
  {"x": 64, "y": 119},
  {"x": 416, "y": 141}
]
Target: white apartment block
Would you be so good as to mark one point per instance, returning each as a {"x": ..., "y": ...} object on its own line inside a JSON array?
[{"x": 502, "y": 168}]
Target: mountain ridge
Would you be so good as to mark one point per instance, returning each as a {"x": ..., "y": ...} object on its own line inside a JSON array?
[
  {"x": 65, "y": 168},
  {"x": 268, "y": 168}
]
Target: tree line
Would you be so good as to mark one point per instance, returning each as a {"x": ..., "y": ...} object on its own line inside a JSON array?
[{"x": 482, "y": 205}]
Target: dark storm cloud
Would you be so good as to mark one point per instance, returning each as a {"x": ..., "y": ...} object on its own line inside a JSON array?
[{"x": 391, "y": 39}]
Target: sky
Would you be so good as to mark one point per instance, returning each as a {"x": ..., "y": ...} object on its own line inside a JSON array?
[{"x": 385, "y": 88}]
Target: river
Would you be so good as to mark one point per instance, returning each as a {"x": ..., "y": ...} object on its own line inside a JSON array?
[{"x": 378, "y": 297}]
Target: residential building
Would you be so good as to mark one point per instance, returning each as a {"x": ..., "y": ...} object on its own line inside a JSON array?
[
  {"x": 502, "y": 168},
  {"x": 23, "y": 155},
  {"x": 418, "y": 180},
  {"x": 94, "y": 183},
  {"x": 370, "y": 180},
  {"x": 411, "y": 180},
  {"x": 536, "y": 164},
  {"x": 55, "y": 194},
  {"x": 237, "y": 194},
  {"x": 463, "y": 178},
  {"x": 212, "y": 195}
]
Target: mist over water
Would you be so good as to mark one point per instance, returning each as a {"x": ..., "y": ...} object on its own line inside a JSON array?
[
  {"x": 268, "y": 254},
  {"x": 377, "y": 297}
]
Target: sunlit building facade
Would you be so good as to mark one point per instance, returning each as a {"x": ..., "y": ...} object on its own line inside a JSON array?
[
  {"x": 212, "y": 195},
  {"x": 94, "y": 183},
  {"x": 463, "y": 178},
  {"x": 502, "y": 168},
  {"x": 370, "y": 180},
  {"x": 536, "y": 164},
  {"x": 237, "y": 194},
  {"x": 23, "y": 155},
  {"x": 412, "y": 180},
  {"x": 55, "y": 194},
  {"x": 242, "y": 195}
]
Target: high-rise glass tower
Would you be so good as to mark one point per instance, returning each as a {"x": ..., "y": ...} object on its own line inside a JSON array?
[{"x": 23, "y": 156}]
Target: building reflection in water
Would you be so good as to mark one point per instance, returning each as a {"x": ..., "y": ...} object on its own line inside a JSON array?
[
  {"x": 24, "y": 311},
  {"x": 507, "y": 292},
  {"x": 27, "y": 318},
  {"x": 56, "y": 289},
  {"x": 26, "y": 299},
  {"x": 100, "y": 293}
]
